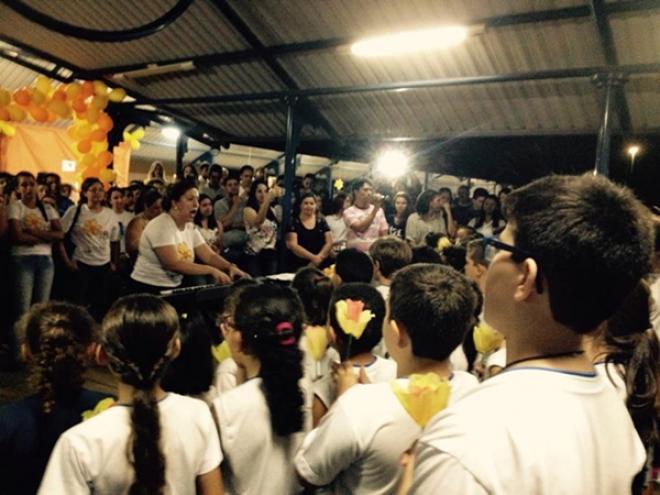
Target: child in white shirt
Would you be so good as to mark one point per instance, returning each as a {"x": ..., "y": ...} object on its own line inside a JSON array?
[
  {"x": 261, "y": 421},
  {"x": 357, "y": 351},
  {"x": 150, "y": 441},
  {"x": 358, "y": 446}
]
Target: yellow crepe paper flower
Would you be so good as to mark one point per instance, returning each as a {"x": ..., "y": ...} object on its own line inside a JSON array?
[
  {"x": 317, "y": 341},
  {"x": 486, "y": 338},
  {"x": 443, "y": 243},
  {"x": 352, "y": 317},
  {"x": 221, "y": 351},
  {"x": 425, "y": 396},
  {"x": 329, "y": 271},
  {"x": 101, "y": 406}
]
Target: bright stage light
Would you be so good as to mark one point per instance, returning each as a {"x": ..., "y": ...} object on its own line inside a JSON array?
[
  {"x": 392, "y": 164},
  {"x": 411, "y": 41},
  {"x": 633, "y": 150},
  {"x": 171, "y": 132}
]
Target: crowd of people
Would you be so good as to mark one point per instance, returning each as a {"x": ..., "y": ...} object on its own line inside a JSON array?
[{"x": 467, "y": 345}]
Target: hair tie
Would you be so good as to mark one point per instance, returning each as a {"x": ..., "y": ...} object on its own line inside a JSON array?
[{"x": 285, "y": 333}]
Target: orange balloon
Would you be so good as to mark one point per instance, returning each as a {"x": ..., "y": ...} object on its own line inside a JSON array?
[
  {"x": 59, "y": 95},
  {"x": 22, "y": 97},
  {"x": 85, "y": 145},
  {"x": 4, "y": 114},
  {"x": 105, "y": 157},
  {"x": 16, "y": 113},
  {"x": 105, "y": 122},
  {"x": 73, "y": 90},
  {"x": 92, "y": 115},
  {"x": 99, "y": 102},
  {"x": 98, "y": 135},
  {"x": 91, "y": 172},
  {"x": 59, "y": 108},
  {"x": 87, "y": 88},
  {"x": 51, "y": 117},
  {"x": 38, "y": 97},
  {"x": 40, "y": 114},
  {"x": 79, "y": 104}
]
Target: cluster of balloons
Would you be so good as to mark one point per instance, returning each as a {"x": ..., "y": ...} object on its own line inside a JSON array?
[{"x": 85, "y": 104}]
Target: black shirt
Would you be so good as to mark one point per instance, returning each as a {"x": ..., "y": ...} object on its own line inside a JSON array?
[{"x": 312, "y": 240}]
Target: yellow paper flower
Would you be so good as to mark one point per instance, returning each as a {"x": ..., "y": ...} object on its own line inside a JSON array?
[
  {"x": 443, "y": 243},
  {"x": 184, "y": 253},
  {"x": 425, "y": 396},
  {"x": 92, "y": 227},
  {"x": 486, "y": 338},
  {"x": 101, "y": 406},
  {"x": 329, "y": 271},
  {"x": 34, "y": 222},
  {"x": 317, "y": 341},
  {"x": 221, "y": 351},
  {"x": 352, "y": 317}
]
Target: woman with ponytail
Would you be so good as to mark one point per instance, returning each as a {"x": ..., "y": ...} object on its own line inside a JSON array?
[
  {"x": 151, "y": 442},
  {"x": 59, "y": 337},
  {"x": 627, "y": 353},
  {"x": 261, "y": 421}
]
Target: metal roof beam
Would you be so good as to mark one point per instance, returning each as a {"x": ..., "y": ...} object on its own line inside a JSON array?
[
  {"x": 573, "y": 73},
  {"x": 277, "y": 51},
  {"x": 606, "y": 40},
  {"x": 311, "y": 112}
]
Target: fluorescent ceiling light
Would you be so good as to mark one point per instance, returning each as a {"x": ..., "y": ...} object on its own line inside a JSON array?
[
  {"x": 411, "y": 41},
  {"x": 392, "y": 163},
  {"x": 171, "y": 132}
]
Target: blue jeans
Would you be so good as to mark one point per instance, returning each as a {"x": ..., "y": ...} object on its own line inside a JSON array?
[{"x": 33, "y": 279}]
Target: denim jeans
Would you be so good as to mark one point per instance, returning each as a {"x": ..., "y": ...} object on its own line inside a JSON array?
[{"x": 33, "y": 279}]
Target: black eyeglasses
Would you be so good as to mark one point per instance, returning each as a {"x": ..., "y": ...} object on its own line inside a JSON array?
[{"x": 518, "y": 255}]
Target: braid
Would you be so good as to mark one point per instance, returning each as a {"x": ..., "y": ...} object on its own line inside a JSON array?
[
  {"x": 59, "y": 367},
  {"x": 148, "y": 459}
]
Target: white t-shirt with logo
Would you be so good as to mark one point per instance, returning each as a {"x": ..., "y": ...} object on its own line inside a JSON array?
[
  {"x": 160, "y": 232},
  {"x": 93, "y": 457},
  {"x": 257, "y": 461},
  {"x": 92, "y": 234},
  {"x": 33, "y": 219},
  {"x": 531, "y": 430},
  {"x": 357, "y": 447},
  {"x": 123, "y": 219}
]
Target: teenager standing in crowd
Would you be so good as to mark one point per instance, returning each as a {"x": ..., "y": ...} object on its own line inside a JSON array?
[
  {"x": 402, "y": 210},
  {"x": 261, "y": 226},
  {"x": 428, "y": 218},
  {"x": 365, "y": 219},
  {"x": 335, "y": 220}
]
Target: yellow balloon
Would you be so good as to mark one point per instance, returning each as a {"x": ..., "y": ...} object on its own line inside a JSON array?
[
  {"x": 99, "y": 102},
  {"x": 99, "y": 147},
  {"x": 43, "y": 84},
  {"x": 38, "y": 97},
  {"x": 5, "y": 97},
  {"x": 92, "y": 115},
  {"x": 107, "y": 175},
  {"x": 88, "y": 160},
  {"x": 7, "y": 129},
  {"x": 100, "y": 88},
  {"x": 117, "y": 95},
  {"x": 73, "y": 90},
  {"x": 16, "y": 113},
  {"x": 83, "y": 129}
]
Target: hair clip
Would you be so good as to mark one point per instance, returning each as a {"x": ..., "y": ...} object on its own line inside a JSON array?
[{"x": 285, "y": 333}]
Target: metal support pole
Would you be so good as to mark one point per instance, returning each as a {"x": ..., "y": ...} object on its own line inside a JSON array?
[
  {"x": 181, "y": 148},
  {"x": 605, "y": 132},
  {"x": 292, "y": 141}
]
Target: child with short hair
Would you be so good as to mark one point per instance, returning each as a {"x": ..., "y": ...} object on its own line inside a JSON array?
[
  {"x": 150, "y": 441},
  {"x": 261, "y": 421},
  {"x": 389, "y": 254},
  {"x": 357, "y": 351},
  {"x": 59, "y": 339},
  {"x": 353, "y": 266},
  {"x": 572, "y": 251},
  {"x": 358, "y": 445}
]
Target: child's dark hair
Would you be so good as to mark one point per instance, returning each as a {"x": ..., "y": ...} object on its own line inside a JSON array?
[
  {"x": 435, "y": 304},
  {"x": 373, "y": 332},
  {"x": 269, "y": 318},
  {"x": 58, "y": 335},
  {"x": 423, "y": 203},
  {"x": 139, "y": 332},
  {"x": 497, "y": 214},
  {"x": 315, "y": 291},
  {"x": 148, "y": 197},
  {"x": 336, "y": 205},
  {"x": 455, "y": 257},
  {"x": 476, "y": 252},
  {"x": 176, "y": 191},
  {"x": 391, "y": 254},
  {"x": 632, "y": 343},
  {"x": 426, "y": 254},
  {"x": 192, "y": 372},
  {"x": 591, "y": 239},
  {"x": 469, "y": 348},
  {"x": 211, "y": 221},
  {"x": 354, "y": 266}
]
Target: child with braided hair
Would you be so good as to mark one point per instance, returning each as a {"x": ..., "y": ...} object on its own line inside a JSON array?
[
  {"x": 151, "y": 442},
  {"x": 59, "y": 337},
  {"x": 261, "y": 421}
]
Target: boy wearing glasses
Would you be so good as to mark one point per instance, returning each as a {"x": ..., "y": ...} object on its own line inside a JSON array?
[{"x": 573, "y": 249}]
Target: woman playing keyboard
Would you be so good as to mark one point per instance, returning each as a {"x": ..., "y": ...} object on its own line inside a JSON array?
[{"x": 171, "y": 247}]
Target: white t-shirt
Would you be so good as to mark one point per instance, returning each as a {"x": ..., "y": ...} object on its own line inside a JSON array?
[
  {"x": 160, "y": 232},
  {"x": 458, "y": 359},
  {"x": 613, "y": 375},
  {"x": 339, "y": 230},
  {"x": 417, "y": 228},
  {"x": 381, "y": 370},
  {"x": 655, "y": 307},
  {"x": 257, "y": 461},
  {"x": 357, "y": 447},
  {"x": 123, "y": 219},
  {"x": 225, "y": 375},
  {"x": 92, "y": 234},
  {"x": 92, "y": 457},
  {"x": 31, "y": 218},
  {"x": 531, "y": 430}
]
